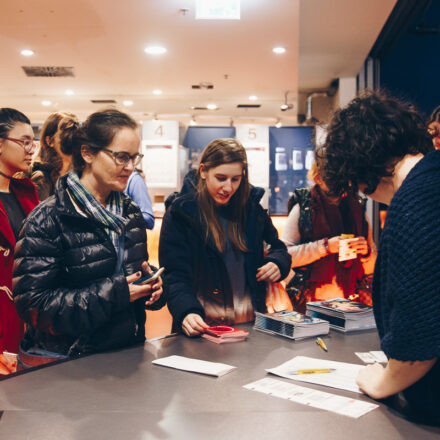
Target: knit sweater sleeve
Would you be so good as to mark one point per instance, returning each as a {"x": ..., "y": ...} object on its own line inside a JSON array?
[{"x": 408, "y": 277}]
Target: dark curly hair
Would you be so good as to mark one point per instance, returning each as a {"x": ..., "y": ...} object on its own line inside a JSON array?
[
  {"x": 435, "y": 116},
  {"x": 367, "y": 138}
]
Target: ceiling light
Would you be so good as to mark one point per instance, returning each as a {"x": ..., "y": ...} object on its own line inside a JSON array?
[
  {"x": 218, "y": 9},
  {"x": 127, "y": 103},
  {"x": 46, "y": 103},
  {"x": 155, "y": 50},
  {"x": 278, "y": 50},
  {"x": 286, "y": 105},
  {"x": 253, "y": 98},
  {"x": 27, "y": 52},
  {"x": 157, "y": 92},
  {"x": 279, "y": 124},
  {"x": 69, "y": 92},
  {"x": 211, "y": 107},
  {"x": 192, "y": 121}
]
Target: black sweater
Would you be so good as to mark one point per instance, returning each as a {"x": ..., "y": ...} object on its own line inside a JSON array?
[{"x": 406, "y": 284}]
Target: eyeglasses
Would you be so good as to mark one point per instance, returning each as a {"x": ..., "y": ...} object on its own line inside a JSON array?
[
  {"x": 28, "y": 144},
  {"x": 121, "y": 158}
]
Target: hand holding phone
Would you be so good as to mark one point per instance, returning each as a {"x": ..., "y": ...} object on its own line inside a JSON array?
[{"x": 150, "y": 277}]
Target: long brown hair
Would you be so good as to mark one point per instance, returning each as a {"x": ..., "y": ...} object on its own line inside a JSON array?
[
  {"x": 219, "y": 152},
  {"x": 59, "y": 121}
]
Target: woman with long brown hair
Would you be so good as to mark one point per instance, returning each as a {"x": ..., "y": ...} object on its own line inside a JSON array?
[
  {"x": 212, "y": 244},
  {"x": 52, "y": 162}
]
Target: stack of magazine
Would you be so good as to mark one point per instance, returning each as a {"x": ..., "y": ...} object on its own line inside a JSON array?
[
  {"x": 291, "y": 324},
  {"x": 343, "y": 315}
]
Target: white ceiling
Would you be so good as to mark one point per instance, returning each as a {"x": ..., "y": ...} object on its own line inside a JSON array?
[{"x": 104, "y": 41}]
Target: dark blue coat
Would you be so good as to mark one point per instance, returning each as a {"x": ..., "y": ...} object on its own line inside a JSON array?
[{"x": 196, "y": 275}]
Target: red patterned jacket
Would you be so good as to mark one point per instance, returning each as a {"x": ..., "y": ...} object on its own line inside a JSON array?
[{"x": 11, "y": 326}]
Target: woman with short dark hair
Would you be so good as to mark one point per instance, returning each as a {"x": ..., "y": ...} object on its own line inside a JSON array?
[
  {"x": 381, "y": 146},
  {"x": 17, "y": 199},
  {"x": 82, "y": 249}
]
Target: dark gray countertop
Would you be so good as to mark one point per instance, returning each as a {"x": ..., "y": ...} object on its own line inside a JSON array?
[{"x": 121, "y": 395}]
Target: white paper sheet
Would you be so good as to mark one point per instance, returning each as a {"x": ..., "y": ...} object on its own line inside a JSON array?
[
  {"x": 316, "y": 399},
  {"x": 194, "y": 365},
  {"x": 370, "y": 357},
  {"x": 344, "y": 376}
]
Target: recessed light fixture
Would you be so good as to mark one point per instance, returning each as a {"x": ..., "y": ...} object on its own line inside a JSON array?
[
  {"x": 211, "y": 107},
  {"x": 157, "y": 92},
  {"x": 253, "y": 98},
  {"x": 127, "y": 103},
  {"x": 279, "y": 50},
  {"x": 27, "y": 52},
  {"x": 69, "y": 92},
  {"x": 155, "y": 50},
  {"x": 46, "y": 103}
]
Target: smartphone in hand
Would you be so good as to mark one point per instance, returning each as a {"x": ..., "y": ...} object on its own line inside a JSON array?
[{"x": 150, "y": 277}]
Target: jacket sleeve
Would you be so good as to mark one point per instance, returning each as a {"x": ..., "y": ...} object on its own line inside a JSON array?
[
  {"x": 301, "y": 253},
  {"x": 277, "y": 252},
  {"x": 41, "y": 299},
  {"x": 175, "y": 256},
  {"x": 138, "y": 191}
]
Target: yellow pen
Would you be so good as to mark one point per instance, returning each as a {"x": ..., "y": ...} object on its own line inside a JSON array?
[
  {"x": 321, "y": 343},
  {"x": 312, "y": 371}
]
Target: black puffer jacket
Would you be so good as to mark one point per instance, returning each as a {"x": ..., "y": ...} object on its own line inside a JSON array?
[
  {"x": 195, "y": 272},
  {"x": 65, "y": 288}
]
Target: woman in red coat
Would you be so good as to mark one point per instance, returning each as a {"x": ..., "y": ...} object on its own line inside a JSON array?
[{"x": 17, "y": 199}]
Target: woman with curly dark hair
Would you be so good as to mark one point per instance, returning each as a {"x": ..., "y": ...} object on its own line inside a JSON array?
[
  {"x": 380, "y": 146},
  {"x": 52, "y": 162}
]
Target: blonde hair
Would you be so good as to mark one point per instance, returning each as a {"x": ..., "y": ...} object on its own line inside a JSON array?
[{"x": 219, "y": 152}]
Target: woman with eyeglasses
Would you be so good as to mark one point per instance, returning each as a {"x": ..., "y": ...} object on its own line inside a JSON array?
[
  {"x": 82, "y": 249},
  {"x": 52, "y": 162},
  {"x": 17, "y": 199}
]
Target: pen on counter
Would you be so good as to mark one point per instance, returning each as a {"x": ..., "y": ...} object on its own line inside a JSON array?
[
  {"x": 312, "y": 371},
  {"x": 321, "y": 343}
]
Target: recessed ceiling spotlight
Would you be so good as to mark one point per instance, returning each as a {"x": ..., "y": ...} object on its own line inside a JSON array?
[
  {"x": 279, "y": 50},
  {"x": 253, "y": 98},
  {"x": 127, "y": 103},
  {"x": 27, "y": 52},
  {"x": 69, "y": 92},
  {"x": 157, "y": 92},
  {"x": 155, "y": 50},
  {"x": 211, "y": 107},
  {"x": 46, "y": 103}
]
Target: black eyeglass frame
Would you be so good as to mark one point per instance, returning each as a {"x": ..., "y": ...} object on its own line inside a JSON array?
[{"x": 135, "y": 158}]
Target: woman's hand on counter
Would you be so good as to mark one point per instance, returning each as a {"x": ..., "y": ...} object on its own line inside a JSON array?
[{"x": 193, "y": 324}]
